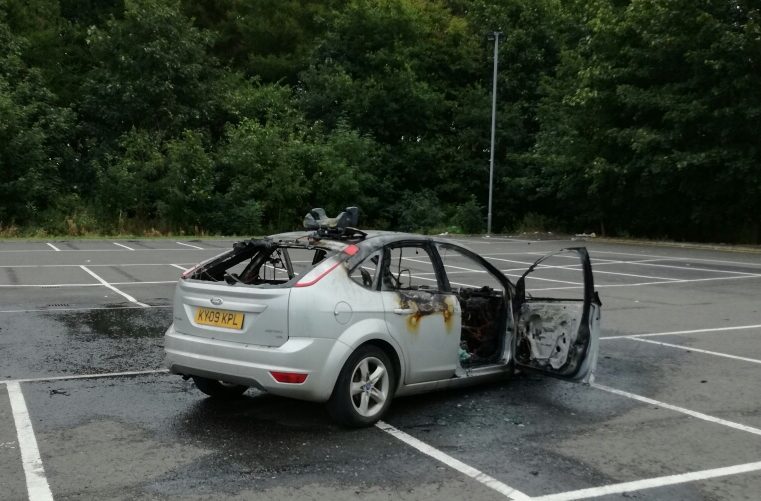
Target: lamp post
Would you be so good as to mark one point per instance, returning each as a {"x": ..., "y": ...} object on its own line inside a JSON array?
[{"x": 493, "y": 36}]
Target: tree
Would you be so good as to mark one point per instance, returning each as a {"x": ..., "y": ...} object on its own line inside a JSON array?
[
  {"x": 650, "y": 122},
  {"x": 151, "y": 71},
  {"x": 33, "y": 138}
]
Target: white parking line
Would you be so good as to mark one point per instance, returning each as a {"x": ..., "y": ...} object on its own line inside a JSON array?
[
  {"x": 695, "y": 414},
  {"x": 147, "y": 282},
  {"x": 51, "y": 246},
  {"x": 54, "y": 286},
  {"x": 27, "y": 251},
  {"x": 598, "y": 271},
  {"x": 85, "y": 376},
  {"x": 47, "y": 286},
  {"x": 90, "y": 265},
  {"x": 123, "y": 294},
  {"x": 577, "y": 268},
  {"x": 189, "y": 245},
  {"x": 87, "y": 308},
  {"x": 672, "y": 258},
  {"x": 651, "y": 262},
  {"x": 697, "y": 350},
  {"x": 650, "y": 483},
  {"x": 693, "y": 331},
  {"x": 691, "y": 280},
  {"x": 122, "y": 245},
  {"x": 531, "y": 277},
  {"x": 479, "y": 476},
  {"x": 36, "y": 483},
  {"x": 692, "y": 268}
]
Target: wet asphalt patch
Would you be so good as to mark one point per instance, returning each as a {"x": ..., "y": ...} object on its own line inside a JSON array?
[
  {"x": 157, "y": 437},
  {"x": 55, "y": 343},
  {"x": 171, "y": 442}
]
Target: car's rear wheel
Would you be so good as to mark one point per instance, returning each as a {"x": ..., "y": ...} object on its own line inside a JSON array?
[
  {"x": 364, "y": 388},
  {"x": 219, "y": 389}
]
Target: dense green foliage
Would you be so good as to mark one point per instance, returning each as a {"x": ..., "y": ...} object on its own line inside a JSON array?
[{"x": 636, "y": 117}]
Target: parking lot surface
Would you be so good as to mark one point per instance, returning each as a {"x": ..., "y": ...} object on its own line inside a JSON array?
[{"x": 88, "y": 412}]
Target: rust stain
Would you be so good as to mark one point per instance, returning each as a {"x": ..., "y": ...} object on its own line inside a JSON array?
[
  {"x": 449, "y": 312},
  {"x": 423, "y": 304}
]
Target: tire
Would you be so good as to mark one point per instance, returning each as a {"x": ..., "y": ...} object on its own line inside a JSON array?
[
  {"x": 357, "y": 400},
  {"x": 219, "y": 389}
]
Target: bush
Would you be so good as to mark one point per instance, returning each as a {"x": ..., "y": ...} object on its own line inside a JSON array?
[
  {"x": 469, "y": 216},
  {"x": 419, "y": 212}
]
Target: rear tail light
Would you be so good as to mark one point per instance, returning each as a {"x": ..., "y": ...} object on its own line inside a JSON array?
[
  {"x": 289, "y": 377},
  {"x": 350, "y": 250}
]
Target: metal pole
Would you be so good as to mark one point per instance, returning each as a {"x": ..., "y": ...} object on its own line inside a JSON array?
[{"x": 496, "y": 35}]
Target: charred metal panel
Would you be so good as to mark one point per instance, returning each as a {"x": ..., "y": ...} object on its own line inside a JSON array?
[
  {"x": 422, "y": 304},
  {"x": 547, "y": 335}
]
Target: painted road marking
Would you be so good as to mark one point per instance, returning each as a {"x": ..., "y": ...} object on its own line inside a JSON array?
[
  {"x": 694, "y": 331},
  {"x": 515, "y": 276},
  {"x": 692, "y": 268},
  {"x": 85, "y": 376},
  {"x": 44, "y": 286},
  {"x": 598, "y": 271},
  {"x": 697, "y": 350},
  {"x": 695, "y": 414},
  {"x": 51, "y": 246},
  {"x": 479, "y": 476},
  {"x": 650, "y": 483},
  {"x": 122, "y": 245},
  {"x": 92, "y": 265},
  {"x": 123, "y": 294},
  {"x": 650, "y": 262},
  {"x": 674, "y": 258},
  {"x": 531, "y": 277},
  {"x": 26, "y": 251},
  {"x": 577, "y": 268},
  {"x": 47, "y": 286},
  {"x": 87, "y": 308},
  {"x": 189, "y": 245},
  {"x": 36, "y": 483},
  {"x": 691, "y": 280}
]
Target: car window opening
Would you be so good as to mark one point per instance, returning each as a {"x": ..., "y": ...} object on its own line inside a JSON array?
[{"x": 261, "y": 263}]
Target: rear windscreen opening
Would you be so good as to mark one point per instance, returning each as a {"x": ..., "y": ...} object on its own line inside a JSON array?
[{"x": 261, "y": 263}]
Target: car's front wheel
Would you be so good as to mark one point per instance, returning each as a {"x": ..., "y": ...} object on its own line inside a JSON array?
[
  {"x": 364, "y": 388},
  {"x": 219, "y": 389}
]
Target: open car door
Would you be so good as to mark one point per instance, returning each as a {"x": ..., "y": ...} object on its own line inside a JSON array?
[{"x": 558, "y": 336}]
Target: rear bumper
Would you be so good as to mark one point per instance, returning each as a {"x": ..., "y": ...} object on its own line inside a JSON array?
[{"x": 321, "y": 359}]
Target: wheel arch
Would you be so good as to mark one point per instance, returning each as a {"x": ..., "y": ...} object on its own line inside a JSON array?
[
  {"x": 389, "y": 350},
  {"x": 375, "y": 333}
]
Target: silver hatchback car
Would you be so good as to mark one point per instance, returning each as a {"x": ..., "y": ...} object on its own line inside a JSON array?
[{"x": 337, "y": 315}]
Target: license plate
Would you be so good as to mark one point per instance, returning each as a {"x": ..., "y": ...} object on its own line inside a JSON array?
[{"x": 220, "y": 318}]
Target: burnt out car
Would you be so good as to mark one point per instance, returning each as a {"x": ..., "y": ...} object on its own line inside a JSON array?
[{"x": 351, "y": 318}]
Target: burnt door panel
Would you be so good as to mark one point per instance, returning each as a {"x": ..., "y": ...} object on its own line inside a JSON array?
[
  {"x": 558, "y": 336},
  {"x": 422, "y": 318}
]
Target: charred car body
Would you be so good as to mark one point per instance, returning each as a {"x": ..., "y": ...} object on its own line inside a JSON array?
[{"x": 333, "y": 314}]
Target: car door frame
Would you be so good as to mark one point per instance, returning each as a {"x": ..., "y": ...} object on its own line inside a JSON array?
[
  {"x": 508, "y": 347},
  {"x": 588, "y": 322},
  {"x": 443, "y": 288}
]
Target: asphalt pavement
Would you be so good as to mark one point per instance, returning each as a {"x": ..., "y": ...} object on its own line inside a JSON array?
[{"x": 88, "y": 412}]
